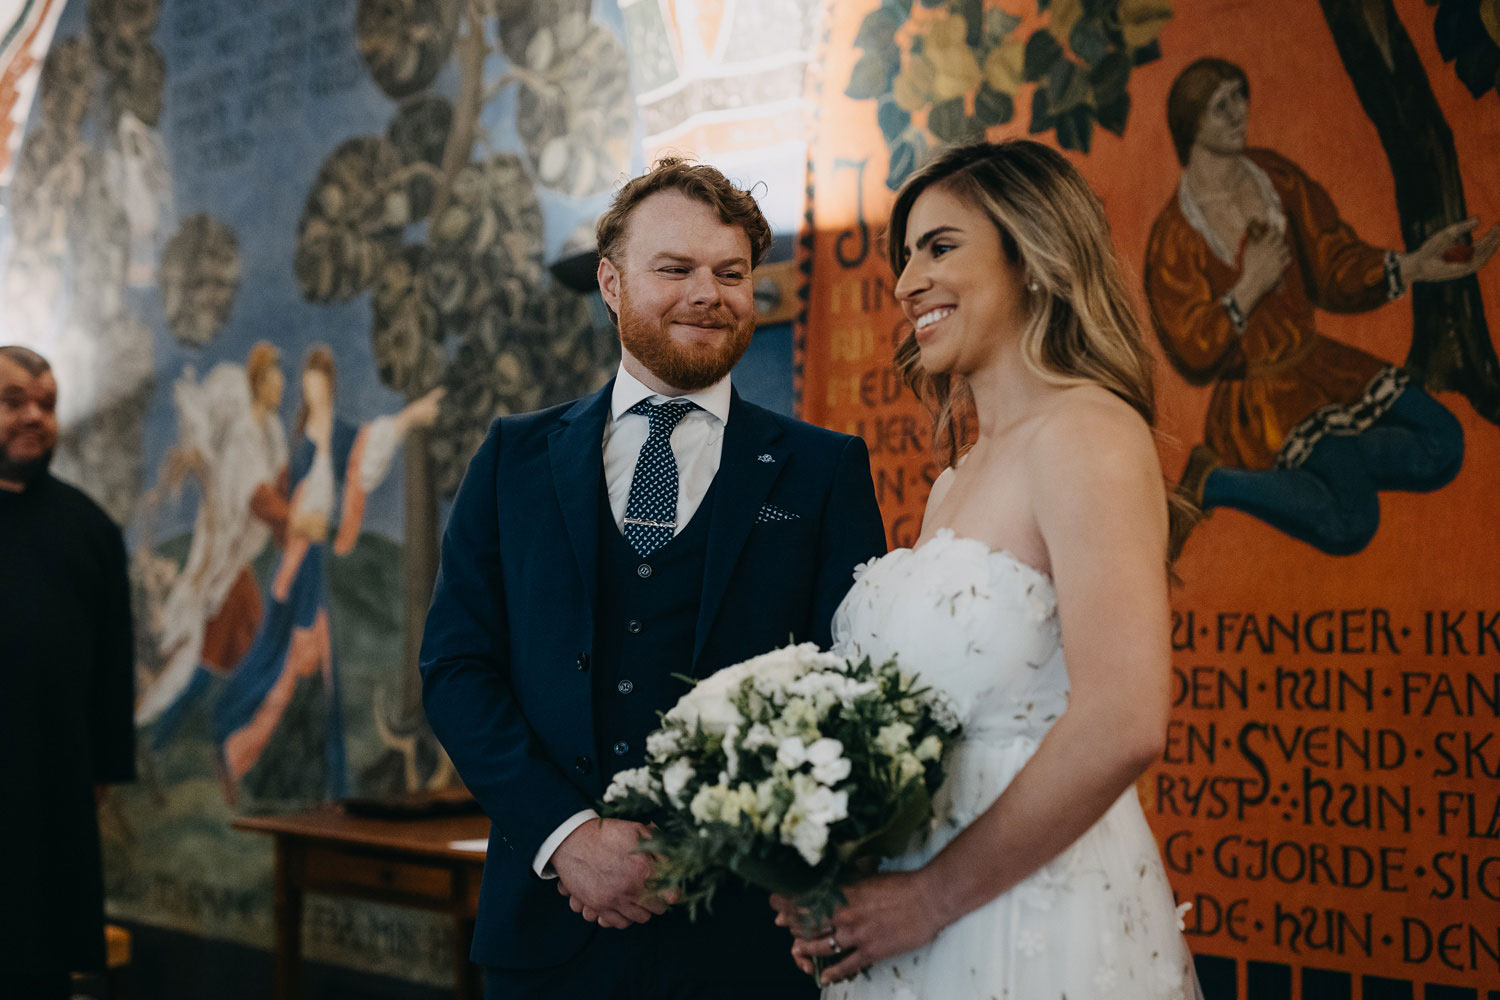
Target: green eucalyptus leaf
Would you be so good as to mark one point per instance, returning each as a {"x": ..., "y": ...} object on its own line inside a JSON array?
[
  {"x": 948, "y": 121},
  {"x": 1042, "y": 53},
  {"x": 1089, "y": 42},
  {"x": 891, "y": 117},
  {"x": 1109, "y": 78},
  {"x": 1112, "y": 116},
  {"x": 972, "y": 11},
  {"x": 998, "y": 25},
  {"x": 871, "y": 77},
  {"x": 1041, "y": 111},
  {"x": 878, "y": 30},
  {"x": 906, "y": 153},
  {"x": 1075, "y": 129},
  {"x": 993, "y": 107},
  {"x": 1146, "y": 54}
]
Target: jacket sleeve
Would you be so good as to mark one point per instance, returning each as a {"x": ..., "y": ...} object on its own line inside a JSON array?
[
  {"x": 852, "y": 533},
  {"x": 466, "y": 671}
]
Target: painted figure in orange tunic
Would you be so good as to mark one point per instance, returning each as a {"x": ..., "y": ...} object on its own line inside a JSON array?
[{"x": 1302, "y": 430}]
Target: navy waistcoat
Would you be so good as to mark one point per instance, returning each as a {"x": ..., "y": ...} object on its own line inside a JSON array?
[{"x": 647, "y": 614}]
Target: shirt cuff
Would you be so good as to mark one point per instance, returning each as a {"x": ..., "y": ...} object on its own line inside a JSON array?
[{"x": 542, "y": 863}]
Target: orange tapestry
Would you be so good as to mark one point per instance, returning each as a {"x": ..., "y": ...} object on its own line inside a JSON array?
[{"x": 1328, "y": 800}]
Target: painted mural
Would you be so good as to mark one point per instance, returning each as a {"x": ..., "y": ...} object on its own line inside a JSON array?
[
  {"x": 289, "y": 260},
  {"x": 1310, "y": 194}
]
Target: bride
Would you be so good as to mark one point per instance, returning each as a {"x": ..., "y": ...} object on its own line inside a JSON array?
[{"x": 1043, "y": 541}]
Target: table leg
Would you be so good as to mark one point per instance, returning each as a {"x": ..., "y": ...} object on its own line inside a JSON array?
[
  {"x": 288, "y": 910},
  {"x": 466, "y": 978}
]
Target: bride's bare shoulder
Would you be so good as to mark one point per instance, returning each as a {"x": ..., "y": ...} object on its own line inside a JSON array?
[{"x": 1087, "y": 432}]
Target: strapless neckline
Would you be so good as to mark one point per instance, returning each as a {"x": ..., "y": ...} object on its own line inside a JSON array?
[{"x": 1004, "y": 555}]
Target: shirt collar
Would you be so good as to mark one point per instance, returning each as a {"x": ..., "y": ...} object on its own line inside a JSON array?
[{"x": 629, "y": 391}]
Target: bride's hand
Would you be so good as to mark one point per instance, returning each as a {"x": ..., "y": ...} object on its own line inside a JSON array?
[{"x": 888, "y": 914}]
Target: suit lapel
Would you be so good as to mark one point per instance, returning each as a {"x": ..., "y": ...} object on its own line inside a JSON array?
[
  {"x": 577, "y": 454},
  {"x": 748, "y": 466}
]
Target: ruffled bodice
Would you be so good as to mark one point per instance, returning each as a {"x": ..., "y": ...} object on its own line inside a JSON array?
[
  {"x": 1098, "y": 921},
  {"x": 980, "y": 624}
]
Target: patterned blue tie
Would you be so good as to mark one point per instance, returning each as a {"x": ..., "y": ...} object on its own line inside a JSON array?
[{"x": 651, "y": 512}]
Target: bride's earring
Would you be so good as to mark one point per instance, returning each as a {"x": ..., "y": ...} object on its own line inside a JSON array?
[{"x": 1032, "y": 286}]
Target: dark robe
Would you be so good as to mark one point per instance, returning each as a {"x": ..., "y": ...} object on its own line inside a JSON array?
[{"x": 66, "y": 683}]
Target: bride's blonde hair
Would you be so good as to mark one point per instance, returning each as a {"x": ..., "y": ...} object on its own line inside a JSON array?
[{"x": 1083, "y": 327}]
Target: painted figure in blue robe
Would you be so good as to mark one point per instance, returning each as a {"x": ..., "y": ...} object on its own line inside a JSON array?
[{"x": 279, "y": 721}]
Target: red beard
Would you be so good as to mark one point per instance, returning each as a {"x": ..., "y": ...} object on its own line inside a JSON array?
[{"x": 686, "y": 367}]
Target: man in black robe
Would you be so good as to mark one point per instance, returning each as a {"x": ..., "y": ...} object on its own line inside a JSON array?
[{"x": 66, "y": 665}]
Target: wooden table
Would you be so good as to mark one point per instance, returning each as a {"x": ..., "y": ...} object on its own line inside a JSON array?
[{"x": 405, "y": 862}]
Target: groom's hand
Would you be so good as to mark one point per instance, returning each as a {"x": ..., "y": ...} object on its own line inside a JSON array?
[{"x": 603, "y": 877}]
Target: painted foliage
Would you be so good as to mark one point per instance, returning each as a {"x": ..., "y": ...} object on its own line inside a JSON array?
[
  {"x": 1326, "y": 799},
  {"x": 289, "y": 261}
]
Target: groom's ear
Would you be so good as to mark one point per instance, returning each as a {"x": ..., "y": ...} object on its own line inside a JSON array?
[{"x": 609, "y": 284}]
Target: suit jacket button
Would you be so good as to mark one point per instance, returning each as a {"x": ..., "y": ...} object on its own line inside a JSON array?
[
  {"x": 621, "y": 748},
  {"x": 643, "y": 571},
  {"x": 633, "y": 627},
  {"x": 583, "y": 661},
  {"x": 582, "y": 764},
  {"x": 626, "y": 686}
]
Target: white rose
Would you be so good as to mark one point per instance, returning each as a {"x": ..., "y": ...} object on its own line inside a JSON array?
[
  {"x": 636, "y": 779},
  {"x": 708, "y": 804},
  {"x": 829, "y": 765},
  {"x": 675, "y": 779},
  {"x": 758, "y": 737},
  {"x": 930, "y": 748},
  {"x": 894, "y": 738},
  {"x": 663, "y": 743},
  {"x": 791, "y": 753}
]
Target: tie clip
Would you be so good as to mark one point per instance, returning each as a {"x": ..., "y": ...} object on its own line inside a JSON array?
[{"x": 650, "y": 524}]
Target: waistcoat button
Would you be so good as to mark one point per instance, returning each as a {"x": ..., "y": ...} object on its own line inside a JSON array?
[
  {"x": 643, "y": 571},
  {"x": 626, "y": 686}
]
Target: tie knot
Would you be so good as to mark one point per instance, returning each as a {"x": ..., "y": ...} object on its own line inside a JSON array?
[{"x": 664, "y": 417}]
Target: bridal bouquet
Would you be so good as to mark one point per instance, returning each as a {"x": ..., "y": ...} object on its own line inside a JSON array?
[{"x": 795, "y": 771}]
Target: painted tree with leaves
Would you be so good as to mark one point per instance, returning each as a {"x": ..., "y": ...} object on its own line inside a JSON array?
[
  {"x": 1451, "y": 347},
  {"x": 949, "y": 70},
  {"x": 445, "y": 234},
  {"x": 90, "y": 196}
]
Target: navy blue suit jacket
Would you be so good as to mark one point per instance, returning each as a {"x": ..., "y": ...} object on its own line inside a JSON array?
[{"x": 504, "y": 655}]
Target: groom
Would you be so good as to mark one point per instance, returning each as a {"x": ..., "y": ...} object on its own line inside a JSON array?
[{"x": 596, "y": 553}]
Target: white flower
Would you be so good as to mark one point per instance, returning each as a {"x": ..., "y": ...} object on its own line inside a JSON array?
[
  {"x": 791, "y": 753},
  {"x": 707, "y": 706},
  {"x": 829, "y": 765},
  {"x": 814, "y": 808},
  {"x": 943, "y": 711},
  {"x": 1104, "y": 979},
  {"x": 797, "y": 718},
  {"x": 731, "y": 754},
  {"x": 894, "y": 738},
  {"x": 663, "y": 743},
  {"x": 635, "y": 779},
  {"x": 907, "y": 768},
  {"x": 1031, "y": 943},
  {"x": 708, "y": 804},
  {"x": 758, "y": 737},
  {"x": 675, "y": 779},
  {"x": 930, "y": 748}
]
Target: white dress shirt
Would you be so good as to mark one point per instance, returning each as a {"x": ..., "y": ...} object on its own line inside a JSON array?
[{"x": 697, "y": 444}]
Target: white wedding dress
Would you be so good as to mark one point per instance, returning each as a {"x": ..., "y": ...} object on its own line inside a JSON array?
[{"x": 1096, "y": 922}]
